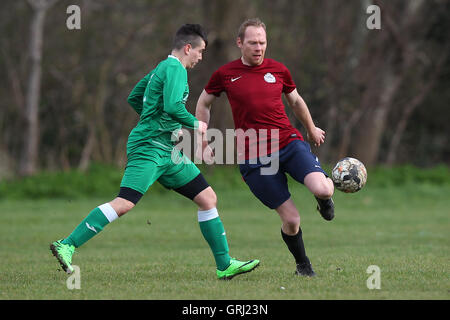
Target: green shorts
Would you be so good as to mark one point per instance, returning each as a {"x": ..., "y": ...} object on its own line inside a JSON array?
[{"x": 171, "y": 170}]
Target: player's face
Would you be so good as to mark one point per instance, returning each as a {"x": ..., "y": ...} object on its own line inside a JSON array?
[
  {"x": 195, "y": 55},
  {"x": 253, "y": 46}
]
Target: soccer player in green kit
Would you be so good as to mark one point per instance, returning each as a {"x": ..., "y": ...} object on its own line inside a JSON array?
[{"x": 159, "y": 99}]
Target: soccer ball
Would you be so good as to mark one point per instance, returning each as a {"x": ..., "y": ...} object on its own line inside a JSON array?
[{"x": 349, "y": 175}]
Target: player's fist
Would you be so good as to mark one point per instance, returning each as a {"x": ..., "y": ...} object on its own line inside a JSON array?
[
  {"x": 204, "y": 152},
  {"x": 202, "y": 127},
  {"x": 316, "y": 136},
  {"x": 208, "y": 155}
]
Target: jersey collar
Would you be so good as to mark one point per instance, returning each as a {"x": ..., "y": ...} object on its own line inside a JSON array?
[
  {"x": 173, "y": 57},
  {"x": 252, "y": 67}
]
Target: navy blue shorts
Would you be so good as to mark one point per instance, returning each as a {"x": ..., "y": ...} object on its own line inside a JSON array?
[{"x": 296, "y": 159}]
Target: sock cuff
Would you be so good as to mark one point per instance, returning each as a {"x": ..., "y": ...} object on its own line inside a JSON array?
[
  {"x": 109, "y": 212},
  {"x": 284, "y": 235},
  {"x": 207, "y": 215}
]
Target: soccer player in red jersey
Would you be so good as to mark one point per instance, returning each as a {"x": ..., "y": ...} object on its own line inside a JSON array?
[{"x": 254, "y": 86}]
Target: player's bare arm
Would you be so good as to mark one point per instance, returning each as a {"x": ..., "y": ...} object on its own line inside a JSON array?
[
  {"x": 301, "y": 112},
  {"x": 202, "y": 113}
]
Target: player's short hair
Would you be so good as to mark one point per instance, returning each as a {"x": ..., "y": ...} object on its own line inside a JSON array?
[
  {"x": 253, "y": 22},
  {"x": 189, "y": 34}
]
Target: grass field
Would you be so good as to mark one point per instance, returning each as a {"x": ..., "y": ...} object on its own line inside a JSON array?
[{"x": 157, "y": 252}]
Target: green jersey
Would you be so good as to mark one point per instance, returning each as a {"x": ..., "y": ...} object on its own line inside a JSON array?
[{"x": 160, "y": 98}]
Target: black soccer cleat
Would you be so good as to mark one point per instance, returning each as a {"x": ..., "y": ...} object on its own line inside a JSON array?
[
  {"x": 326, "y": 208},
  {"x": 305, "y": 269}
]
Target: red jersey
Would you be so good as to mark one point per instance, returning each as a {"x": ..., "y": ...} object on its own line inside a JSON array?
[{"x": 254, "y": 93}]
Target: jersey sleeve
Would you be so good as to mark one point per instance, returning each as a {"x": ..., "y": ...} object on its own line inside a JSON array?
[
  {"x": 137, "y": 94},
  {"x": 174, "y": 87},
  {"x": 288, "y": 82},
  {"x": 215, "y": 84}
]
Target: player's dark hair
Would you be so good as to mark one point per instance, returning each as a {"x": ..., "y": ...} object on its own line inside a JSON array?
[{"x": 189, "y": 34}]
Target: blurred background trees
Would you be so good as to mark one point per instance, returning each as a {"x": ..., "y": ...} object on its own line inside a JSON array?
[{"x": 381, "y": 95}]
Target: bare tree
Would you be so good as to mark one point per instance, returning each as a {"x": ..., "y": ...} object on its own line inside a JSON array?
[
  {"x": 363, "y": 86},
  {"x": 386, "y": 69},
  {"x": 28, "y": 160},
  {"x": 410, "y": 105}
]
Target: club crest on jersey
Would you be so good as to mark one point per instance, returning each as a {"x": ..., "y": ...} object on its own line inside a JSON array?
[{"x": 269, "y": 78}]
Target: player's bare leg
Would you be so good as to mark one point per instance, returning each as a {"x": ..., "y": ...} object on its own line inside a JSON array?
[
  {"x": 290, "y": 217},
  {"x": 206, "y": 199},
  {"x": 321, "y": 186},
  {"x": 121, "y": 205},
  {"x": 292, "y": 236},
  {"x": 323, "y": 189}
]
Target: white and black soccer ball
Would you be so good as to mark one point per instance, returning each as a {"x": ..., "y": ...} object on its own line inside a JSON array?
[{"x": 349, "y": 175}]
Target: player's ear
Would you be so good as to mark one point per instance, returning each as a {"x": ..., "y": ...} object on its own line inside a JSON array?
[
  {"x": 239, "y": 42},
  {"x": 187, "y": 48}
]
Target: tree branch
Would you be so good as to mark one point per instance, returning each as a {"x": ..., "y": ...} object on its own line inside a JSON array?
[{"x": 412, "y": 104}]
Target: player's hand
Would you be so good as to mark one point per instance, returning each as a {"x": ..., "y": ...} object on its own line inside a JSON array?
[
  {"x": 208, "y": 155},
  {"x": 176, "y": 135},
  {"x": 316, "y": 136},
  {"x": 204, "y": 152},
  {"x": 202, "y": 127}
]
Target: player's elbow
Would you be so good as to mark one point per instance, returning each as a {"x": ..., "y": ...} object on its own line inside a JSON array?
[
  {"x": 202, "y": 111},
  {"x": 131, "y": 99},
  {"x": 173, "y": 109}
]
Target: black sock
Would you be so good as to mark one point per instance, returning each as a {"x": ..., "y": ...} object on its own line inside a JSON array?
[
  {"x": 323, "y": 202},
  {"x": 296, "y": 246}
]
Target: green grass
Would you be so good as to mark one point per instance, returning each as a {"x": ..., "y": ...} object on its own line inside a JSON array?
[{"x": 403, "y": 229}]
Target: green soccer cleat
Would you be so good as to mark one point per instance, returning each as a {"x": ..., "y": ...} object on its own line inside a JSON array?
[
  {"x": 63, "y": 252},
  {"x": 237, "y": 267}
]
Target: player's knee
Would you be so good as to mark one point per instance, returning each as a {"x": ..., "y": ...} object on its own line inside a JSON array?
[
  {"x": 291, "y": 225},
  {"x": 207, "y": 199},
  {"x": 294, "y": 222},
  {"x": 324, "y": 190},
  {"x": 121, "y": 206},
  {"x": 212, "y": 199},
  {"x": 321, "y": 186},
  {"x": 324, "y": 193}
]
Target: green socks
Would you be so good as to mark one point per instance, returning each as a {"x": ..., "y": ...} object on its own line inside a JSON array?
[
  {"x": 210, "y": 225},
  {"x": 214, "y": 233},
  {"x": 94, "y": 223}
]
